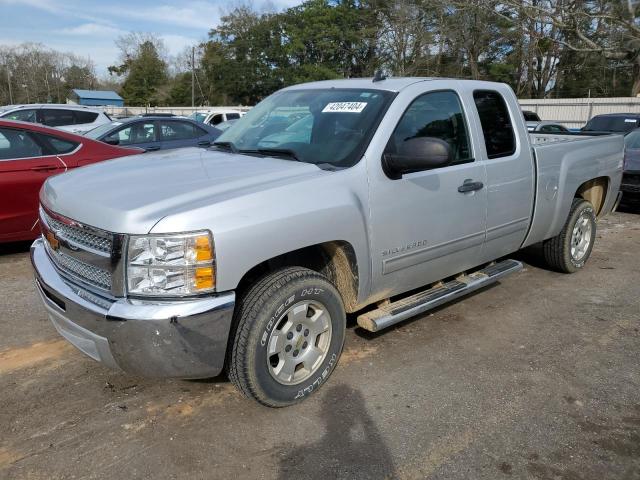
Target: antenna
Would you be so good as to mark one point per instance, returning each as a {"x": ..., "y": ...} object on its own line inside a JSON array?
[{"x": 379, "y": 76}]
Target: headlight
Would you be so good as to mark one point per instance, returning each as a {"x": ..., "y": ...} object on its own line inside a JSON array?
[{"x": 170, "y": 265}]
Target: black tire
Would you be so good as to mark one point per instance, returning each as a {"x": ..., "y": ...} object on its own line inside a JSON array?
[
  {"x": 257, "y": 312},
  {"x": 557, "y": 250}
]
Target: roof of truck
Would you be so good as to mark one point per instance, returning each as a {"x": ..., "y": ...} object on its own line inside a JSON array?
[{"x": 391, "y": 84}]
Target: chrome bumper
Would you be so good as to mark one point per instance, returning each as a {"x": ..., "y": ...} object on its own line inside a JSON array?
[{"x": 182, "y": 338}]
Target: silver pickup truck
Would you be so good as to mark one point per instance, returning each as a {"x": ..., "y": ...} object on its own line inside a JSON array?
[{"x": 383, "y": 198}]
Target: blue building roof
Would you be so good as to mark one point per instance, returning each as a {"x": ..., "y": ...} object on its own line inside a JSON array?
[{"x": 97, "y": 94}]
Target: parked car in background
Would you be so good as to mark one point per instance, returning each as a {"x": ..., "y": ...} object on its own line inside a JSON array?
[
  {"x": 530, "y": 116},
  {"x": 29, "y": 154},
  {"x": 612, "y": 123},
  {"x": 215, "y": 117},
  {"x": 630, "y": 186},
  {"x": 156, "y": 133},
  {"x": 547, "y": 127},
  {"x": 224, "y": 125},
  {"x": 70, "y": 118}
]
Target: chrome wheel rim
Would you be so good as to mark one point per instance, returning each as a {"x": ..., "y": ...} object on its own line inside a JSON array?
[
  {"x": 299, "y": 342},
  {"x": 581, "y": 237}
]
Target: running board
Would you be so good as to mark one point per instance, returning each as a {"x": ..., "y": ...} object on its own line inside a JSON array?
[{"x": 394, "y": 312}]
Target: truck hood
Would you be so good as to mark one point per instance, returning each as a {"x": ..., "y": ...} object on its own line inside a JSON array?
[{"x": 131, "y": 194}]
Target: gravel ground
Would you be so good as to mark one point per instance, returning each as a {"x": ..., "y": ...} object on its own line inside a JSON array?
[{"x": 536, "y": 377}]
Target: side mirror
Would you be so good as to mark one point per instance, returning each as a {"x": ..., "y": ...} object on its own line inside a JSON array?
[
  {"x": 417, "y": 154},
  {"x": 112, "y": 140}
]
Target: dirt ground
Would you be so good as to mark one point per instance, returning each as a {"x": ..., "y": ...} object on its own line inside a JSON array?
[{"x": 536, "y": 377}]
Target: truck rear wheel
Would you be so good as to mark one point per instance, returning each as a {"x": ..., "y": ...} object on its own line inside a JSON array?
[
  {"x": 289, "y": 333},
  {"x": 569, "y": 251}
]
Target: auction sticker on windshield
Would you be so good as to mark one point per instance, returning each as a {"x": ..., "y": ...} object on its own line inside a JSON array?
[{"x": 344, "y": 107}]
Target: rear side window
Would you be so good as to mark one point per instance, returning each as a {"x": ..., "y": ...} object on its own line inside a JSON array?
[
  {"x": 179, "y": 131},
  {"x": 17, "y": 144},
  {"x": 233, "y": 116},
  {"x": 85, "y": 117},
  {"x": 139, "y": 132},
  {"x": 497, "y": 129},
  {"x": 57, "y": 117},
  {"x": 55, "y": 145},
  {"x": 27, "y": 115}
]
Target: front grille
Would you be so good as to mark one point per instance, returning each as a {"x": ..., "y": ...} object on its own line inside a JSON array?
[
  {"x": 82, "y": 253},
  {"x": 85, "y": 272},
  {"x": 79, "y": 235}
]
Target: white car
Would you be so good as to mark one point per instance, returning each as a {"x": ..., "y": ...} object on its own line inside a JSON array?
[
  {"x": 71, "y": 118},
  {"x": 215, "y": 117}
]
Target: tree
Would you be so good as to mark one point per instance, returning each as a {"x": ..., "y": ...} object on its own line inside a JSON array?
[{"x": 143, "y": 67}]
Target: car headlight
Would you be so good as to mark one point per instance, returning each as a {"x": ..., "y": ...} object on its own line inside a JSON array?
[{"x": 170, "y": 265}]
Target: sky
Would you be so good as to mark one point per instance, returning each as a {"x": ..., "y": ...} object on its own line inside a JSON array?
[{"x": 89, "y": 27}]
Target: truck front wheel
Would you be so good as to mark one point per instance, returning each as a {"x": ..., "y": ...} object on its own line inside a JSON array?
[
  {"x": 289, "y": 333},
  {"x": 569, "y": 250}
]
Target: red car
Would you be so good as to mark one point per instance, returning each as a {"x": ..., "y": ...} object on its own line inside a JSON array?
[{"x": 29, "y": 154}]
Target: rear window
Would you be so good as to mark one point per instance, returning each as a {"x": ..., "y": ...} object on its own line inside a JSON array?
[
  {"x": 85, "y": 117},
  {"x": 495, "y": 120},
  {"x": 612, "y": 124},
  {"x": 179, "y": 131},
  {"x": 57, "y": 146}
]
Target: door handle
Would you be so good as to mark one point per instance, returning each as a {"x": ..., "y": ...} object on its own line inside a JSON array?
[
  {"x": 204, "y": 143},
  {"x": 152, "y": 148},
  {"x": 470, "y": 186}
]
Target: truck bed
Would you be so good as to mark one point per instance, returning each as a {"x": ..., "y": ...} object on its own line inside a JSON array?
[{"x": 563, "y": 163}]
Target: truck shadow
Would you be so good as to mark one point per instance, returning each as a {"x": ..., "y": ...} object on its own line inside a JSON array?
[{"x": 351, "y": 446}]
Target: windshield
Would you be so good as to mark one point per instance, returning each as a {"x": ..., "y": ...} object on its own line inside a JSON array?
[
  {"x": 98, "y": 132},
  {"x": 612, "y": 124},
  {"x": 323, "y": 126},
  {"x": 197, "y": 116}
]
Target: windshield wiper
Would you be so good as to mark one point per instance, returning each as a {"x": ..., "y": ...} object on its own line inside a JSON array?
[
  {"x": 279, "y": 152},
  {"x": 226, "y": 145}
]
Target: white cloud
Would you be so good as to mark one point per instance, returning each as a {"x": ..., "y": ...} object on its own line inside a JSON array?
[
  {"x": 92, "y": 29},
  {"x": 197, "y": 15}
]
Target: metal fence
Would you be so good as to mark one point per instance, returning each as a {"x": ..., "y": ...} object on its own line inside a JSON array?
[
  {"x": 119, "y": 112},
  {"x": 575, "y": 112}
]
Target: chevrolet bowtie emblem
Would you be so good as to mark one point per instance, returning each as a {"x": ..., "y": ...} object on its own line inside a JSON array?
[{"x": 53, "y": 241}]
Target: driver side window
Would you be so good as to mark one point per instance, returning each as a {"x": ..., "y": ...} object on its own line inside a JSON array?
[{"x": 436, "y": 115}]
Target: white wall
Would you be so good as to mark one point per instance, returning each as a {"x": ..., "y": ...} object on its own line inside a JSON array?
[{"x": 574, "y": 112}]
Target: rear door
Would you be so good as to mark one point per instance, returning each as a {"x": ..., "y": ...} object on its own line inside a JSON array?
[
  {"x": 177, "y": 134},
  {"x": 25, "y": 163},
  {"x": 506, "y": 155},
  {"x": 141, "y": 134}
]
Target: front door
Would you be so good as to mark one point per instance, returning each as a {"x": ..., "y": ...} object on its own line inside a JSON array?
[
  {"x": 24, "y": 166},
  {"x": 424, "y": 226}
]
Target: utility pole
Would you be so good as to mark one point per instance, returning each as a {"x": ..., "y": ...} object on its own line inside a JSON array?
[
  {"x": 9, "y": 83},
  {"x": 193, "y": 76}
]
